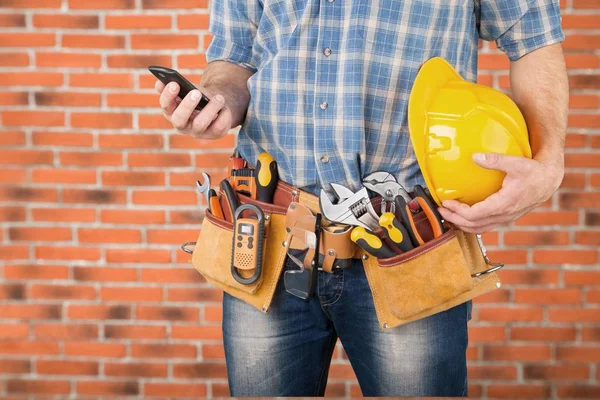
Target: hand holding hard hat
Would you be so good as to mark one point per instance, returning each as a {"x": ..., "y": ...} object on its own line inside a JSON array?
[{"x": 473, "y": 149}]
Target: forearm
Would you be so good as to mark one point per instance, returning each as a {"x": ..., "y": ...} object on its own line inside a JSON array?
[
  {"x": 541, "y": 90},
  {"x": 230, "y": 81}
]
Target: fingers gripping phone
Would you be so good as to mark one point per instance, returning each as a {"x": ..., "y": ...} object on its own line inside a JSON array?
[{"x": 167, "y": 75}]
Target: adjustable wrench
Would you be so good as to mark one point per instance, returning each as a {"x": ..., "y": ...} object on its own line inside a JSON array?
[
  {"x": 351, "y": 209},
  {"x": 387, "y": 187}
]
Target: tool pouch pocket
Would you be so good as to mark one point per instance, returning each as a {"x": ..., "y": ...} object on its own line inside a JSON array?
[
  {"x": 424, "y": 277},
  {"x": 212, "y": 257}
]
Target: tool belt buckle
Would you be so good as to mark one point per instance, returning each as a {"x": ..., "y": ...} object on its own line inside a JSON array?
[{"x": 494, "y": 266}]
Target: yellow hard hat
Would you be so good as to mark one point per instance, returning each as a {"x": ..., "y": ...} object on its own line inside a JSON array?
[{"x": 449, "y": 119}]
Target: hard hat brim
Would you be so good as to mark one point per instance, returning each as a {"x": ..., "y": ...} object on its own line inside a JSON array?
[{"x": 433, "y": 75}]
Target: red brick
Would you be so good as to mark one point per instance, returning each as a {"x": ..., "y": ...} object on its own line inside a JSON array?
[
  {"x": 536, "y": 238},
  {"x": 28, "y": 39},
  {"x": 549, "y": 218},
  {"x": 178, "y": 390},
  {"x": 36, "y": 272},
  {"x": 165, "y": 197},
  {"x": 105, "y": 274},
  {"x": 586, "y": 4},
  {"x": 574, "y": 315},
  {"x": 99, "y": 312},
  {"x": 64, "y": 367},
  {"x": 91, "y": 159},
  {"x": 171, "y": 236},
  {"x": 133, "y": 217},
  {"x": 565, "y": 257},
  {"x": 65, "y": 331},
  {"x": 215, "y": 313},
  {"x": 510, "y": 314},
  {"x": 125, "y": 141},
  {"x": 163, "y": 351},
  {"x": 226, "y": 142},
  {"x": 101, "y": 80},
  {"x": 67, "y": 99},
  {"x": 492, "y": 372},
  {"x": 593, "y": 296},
  {"x": 33, "y": 118},
  {"x": 101, "y": 4},
  {"x": 131, "y": 294},
  {"x": 63, "y": 292},
  {"x": 94, "y": 349},
  {"x": 30, "y": 386},
  {"x": 577, "y": 353},
  {"x": 12, "y": 21},
  {"x": 532, "y": 276},
  {"x": 129, "y": 178},
  {"x": 200, "y": 370},
  {"x": 590, "y": 334},
  {"x": 97, "y": 235},
  {"x": 138, "y": 256},
  {"x": 14, "y": 99},
  {"x": 67, "y": 253},
  {"x": 591, "y": 238},
  {"x": 39, "y": 234},
  {"x": 65, "y": 21},
  {"x": 67, "y": 176},
  {"x": 556, "y": 372},
  {"x": 12, "y": 214},
  {"x": 26, "y": 78},
  {"x": 13, "y": 331},
  {"x": 95, "y": 196},
  {"x": 172, "y": 275},
  {"x": 15, "y": 366},
  {"x": 216, "y": 352},
  {"x": 104, "y": 388},
  {"x": 516, "y": 353},
  {"x": 195, "y": 294},
  {"x": 548, "y": 296},
  {"x": 68, "y": 60},
  {"x": 167, "y": 313},
  {"x": 136, "y": 370},
  {"x": 138, "y": 61},
  {"x": 26, "y": 157},
  {"x": 28, "y": 347},
  {"x": 133, "y": 21},
  {"x": 197, "y": 332},
  {"x": 30, "y": 311},
  {"x": 508, "y": 256},
  {"x": 101, "y": 120},
  {"x": 579, "y": 391},
  {"x": 542, "y": 334},
  {"x": 93, "y": 41},
  {"x": 514, "y": 391},
  {"x": 62, "y": 139},
  {"x": 135, "y": 332}
]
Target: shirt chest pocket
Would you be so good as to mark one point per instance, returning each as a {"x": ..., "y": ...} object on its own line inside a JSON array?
[
  {"x": 408, "y": 24},
  {"x": 279, "y": 20}
]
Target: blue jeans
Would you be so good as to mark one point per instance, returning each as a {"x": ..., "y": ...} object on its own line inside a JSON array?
[{"x": 287, "y": 351}]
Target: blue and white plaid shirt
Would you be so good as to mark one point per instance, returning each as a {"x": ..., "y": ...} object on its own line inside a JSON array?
[{"x": 332, "y": 77}]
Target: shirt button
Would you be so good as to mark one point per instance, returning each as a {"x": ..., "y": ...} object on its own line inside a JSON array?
[
  {"x": 327, "y": 51},
  {"x": 331, "y": 1},
  {"x": 324, "y": 159},
  {"x": 324, "y": 105}
]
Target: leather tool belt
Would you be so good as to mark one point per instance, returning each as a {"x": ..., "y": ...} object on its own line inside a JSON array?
[{"x": 442, "y": 273}]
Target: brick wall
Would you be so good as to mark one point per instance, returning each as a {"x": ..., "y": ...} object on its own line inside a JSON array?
[{"x": 96, "y": 195}]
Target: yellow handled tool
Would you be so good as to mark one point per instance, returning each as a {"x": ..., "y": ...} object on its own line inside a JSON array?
[
  {"x": 266, "y": 177},
  {"x": 395, "y": 231},
  {"x": 368, "y": 241}
]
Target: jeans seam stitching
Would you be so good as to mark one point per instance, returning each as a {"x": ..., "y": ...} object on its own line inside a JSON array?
[
  {"x": 338, "y": 292},
  {"x": 323, "y": 363}
]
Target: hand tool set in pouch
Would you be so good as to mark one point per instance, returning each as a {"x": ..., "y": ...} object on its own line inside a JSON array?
[{"x": 258, "y": 230}]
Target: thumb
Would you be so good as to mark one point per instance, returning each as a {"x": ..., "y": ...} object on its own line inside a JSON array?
[{"x": 497, "y": 161}]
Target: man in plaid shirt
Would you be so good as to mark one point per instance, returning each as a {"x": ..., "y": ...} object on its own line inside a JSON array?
[{"x": 323, "y": 86}]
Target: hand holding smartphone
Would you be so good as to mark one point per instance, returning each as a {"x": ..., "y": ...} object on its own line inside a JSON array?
[{"x": 168, "y": 75}]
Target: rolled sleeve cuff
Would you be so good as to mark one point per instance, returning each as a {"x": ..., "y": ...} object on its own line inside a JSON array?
[
  {"x": 223, "y": 50},
  {"x": 517, "y": 49}
]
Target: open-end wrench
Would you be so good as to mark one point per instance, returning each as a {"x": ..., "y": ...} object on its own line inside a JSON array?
[
  {"x": 356, "y": 208},
  {"x": 387, "y": 187},
  {"x": 203, "y": 188}
]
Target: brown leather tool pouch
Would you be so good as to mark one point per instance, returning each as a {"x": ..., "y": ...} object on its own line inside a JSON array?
[
  {"x": 428, "y": 279},
  {"x": 213, "y": 250},
  {"x": 425, "y": 276}
]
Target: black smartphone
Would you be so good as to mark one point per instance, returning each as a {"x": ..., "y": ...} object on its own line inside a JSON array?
[{"x": 167, "y": 75}]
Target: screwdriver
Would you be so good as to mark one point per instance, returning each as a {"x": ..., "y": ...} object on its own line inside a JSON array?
[
  {"x": 368, "y": 241},
  {"x": 266, "y": 178},
  {"x": 395, "y": 231},
  {"x": 214, "y": 204}
]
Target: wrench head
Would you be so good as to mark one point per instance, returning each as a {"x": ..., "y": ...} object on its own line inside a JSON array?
[
  {"x": 379, "y": 177},
  {"x": 387, "y": 187},
  {"x": 354, "y": 210},
  {"x": 204, "y": 187}
]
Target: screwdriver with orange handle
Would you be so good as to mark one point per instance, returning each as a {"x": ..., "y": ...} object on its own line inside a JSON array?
[{"x": 214, "y": 205}]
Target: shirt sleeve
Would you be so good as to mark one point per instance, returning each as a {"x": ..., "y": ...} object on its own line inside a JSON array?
[
  {"x": 233, "y": 24},
  {"x": 519, "y": 27}
]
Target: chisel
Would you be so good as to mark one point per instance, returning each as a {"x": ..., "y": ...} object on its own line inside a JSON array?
[
  {"x": 368, "y": 241},
  {"x": 266, "y": 177},
  {"x": 395, "y": 231}
]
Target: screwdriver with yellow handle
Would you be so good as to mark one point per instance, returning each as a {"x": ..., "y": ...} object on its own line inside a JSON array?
[
  {"x": 266, "y": 177},
  {"x": 395, "y": 231},
  {"x": 368, "y": 241}
]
